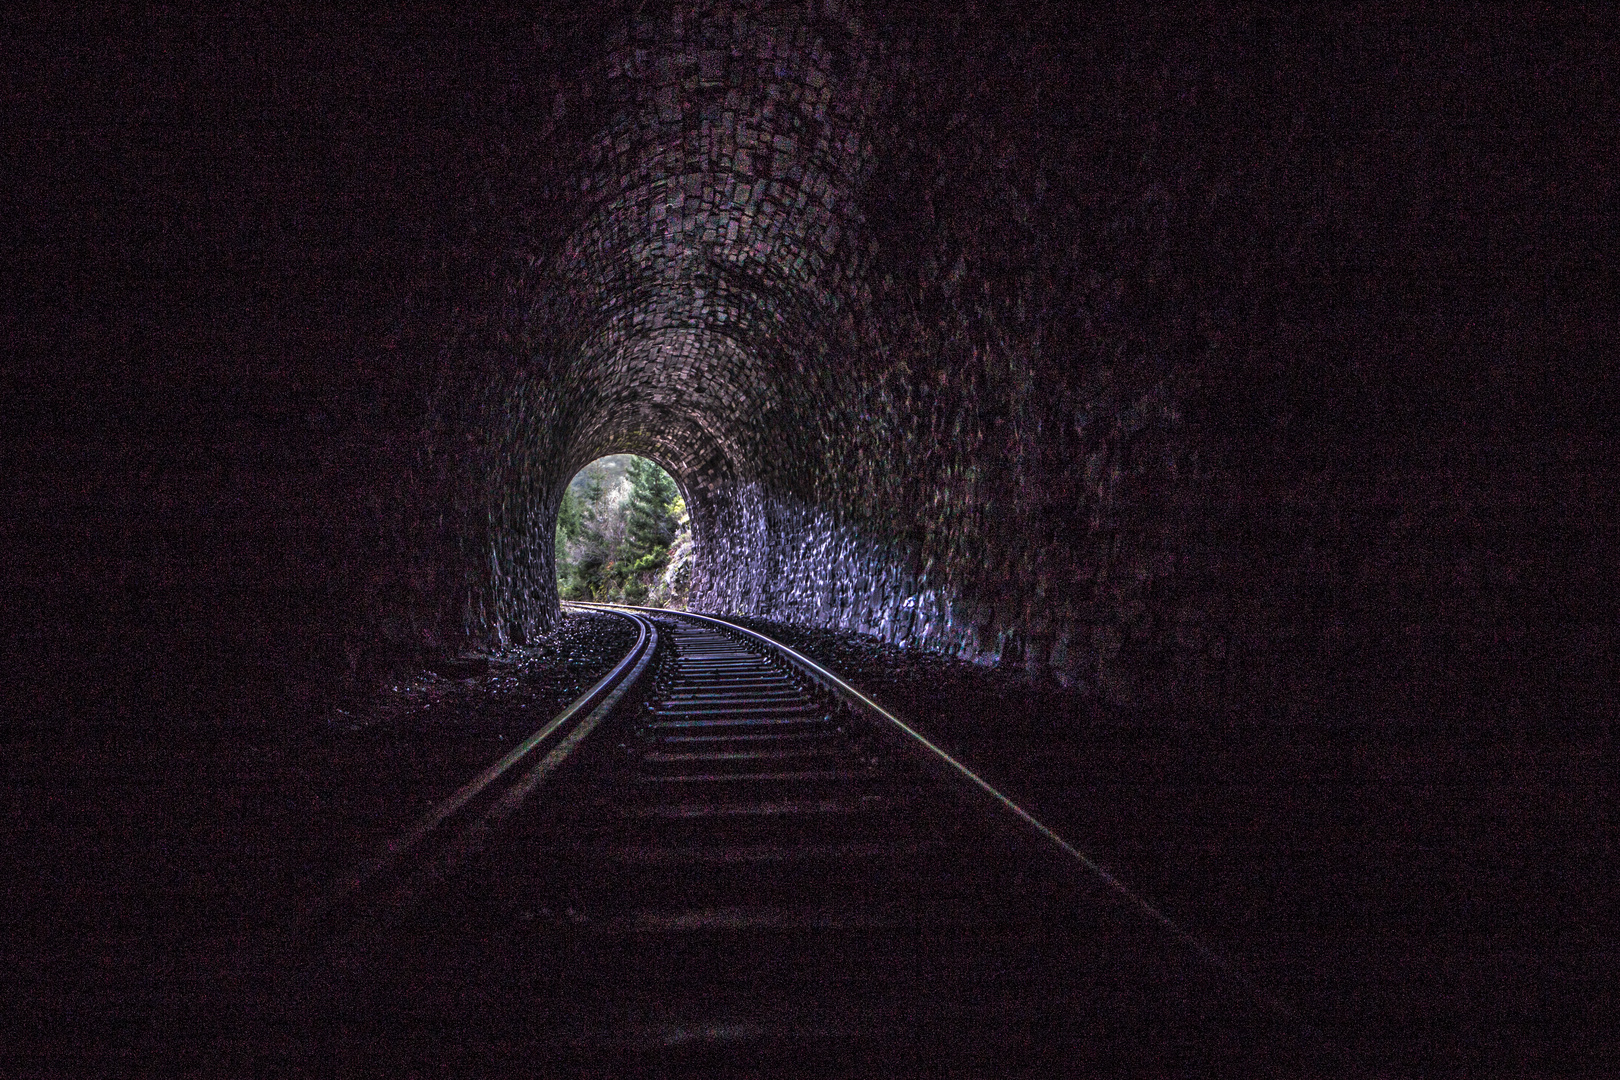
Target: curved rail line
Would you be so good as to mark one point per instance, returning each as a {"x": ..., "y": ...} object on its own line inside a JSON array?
[
  {"x": 446, "y": 835},
  {"x": 754, "y": 858},
  {"x": 910, "y": 739}
]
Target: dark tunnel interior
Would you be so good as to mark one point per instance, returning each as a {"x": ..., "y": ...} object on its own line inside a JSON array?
[
  {"x": 1193, "y": 363},
  {"x": 1196, "y": 377}
]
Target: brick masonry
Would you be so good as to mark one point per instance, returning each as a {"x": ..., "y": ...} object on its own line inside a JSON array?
[{"x": 1235, "y": 361}]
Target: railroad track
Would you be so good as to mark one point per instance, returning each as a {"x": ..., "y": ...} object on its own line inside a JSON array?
[{"x": 724, "y": 859}]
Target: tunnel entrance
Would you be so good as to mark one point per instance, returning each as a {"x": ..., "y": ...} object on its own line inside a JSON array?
[{"x": 624, "y": 535}]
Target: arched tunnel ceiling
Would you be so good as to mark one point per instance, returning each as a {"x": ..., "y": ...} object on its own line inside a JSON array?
[
  {"x": 718, "y": 230},
  {"x": 699, "y": 299},
  {"x": 923, "y": 357},
  {"x": 1105, "y": 344}
]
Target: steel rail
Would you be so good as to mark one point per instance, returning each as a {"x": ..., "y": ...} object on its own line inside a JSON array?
[
  {"x": 927, "y": 750},
  {"x": 490, "y": 797}
]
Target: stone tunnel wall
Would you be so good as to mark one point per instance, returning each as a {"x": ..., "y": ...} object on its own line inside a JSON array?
[
  {"x": 1237, "y": 360},
  {"x": 699, "y": 285},
  {"x": 1084, "y": 351},
  {"x": 795, "y": 563}
]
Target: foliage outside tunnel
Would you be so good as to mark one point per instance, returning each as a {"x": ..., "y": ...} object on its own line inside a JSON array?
[{"x": 623, "y": 535}]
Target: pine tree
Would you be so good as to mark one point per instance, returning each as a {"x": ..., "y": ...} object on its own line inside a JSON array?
[
  {"x": 570, "y": 519},
  {"x": 649, "y": 524},
  {"x": 582, "y": 549}
]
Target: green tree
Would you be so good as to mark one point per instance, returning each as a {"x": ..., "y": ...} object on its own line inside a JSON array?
[
  {"x": 613, "y": 540},
  {"x": 649, "y": 523},
  {"x": 570, "y": 520},
  {"x": 582, "y": 545}
]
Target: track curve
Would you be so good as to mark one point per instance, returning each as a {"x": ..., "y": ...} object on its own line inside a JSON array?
[
  {"x": 442, "y": 838},
  {"x": 747, "y": 869}
]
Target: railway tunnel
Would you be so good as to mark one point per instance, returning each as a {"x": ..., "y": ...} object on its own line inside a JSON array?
[
  {"x": 1232, "y": 390},
  {"x": 711, "y": 290},
  {"x": 1148, "y": 357},
  {"x": 853, "y": 285},
  {"x": 952, "y": 328}
]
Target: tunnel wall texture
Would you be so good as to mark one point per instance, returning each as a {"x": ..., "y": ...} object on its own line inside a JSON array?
[{"x": 1226, "y": 364}]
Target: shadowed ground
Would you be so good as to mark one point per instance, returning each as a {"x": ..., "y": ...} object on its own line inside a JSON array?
[{"x": 1434, "y": 899}]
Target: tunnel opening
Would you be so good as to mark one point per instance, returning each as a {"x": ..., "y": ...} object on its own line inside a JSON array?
[{"x": 623, "y": 535}]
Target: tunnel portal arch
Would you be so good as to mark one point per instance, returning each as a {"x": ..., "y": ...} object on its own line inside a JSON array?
[
  {"x": 800, "y": 262},
  {"x": 698, "y": 310}
]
